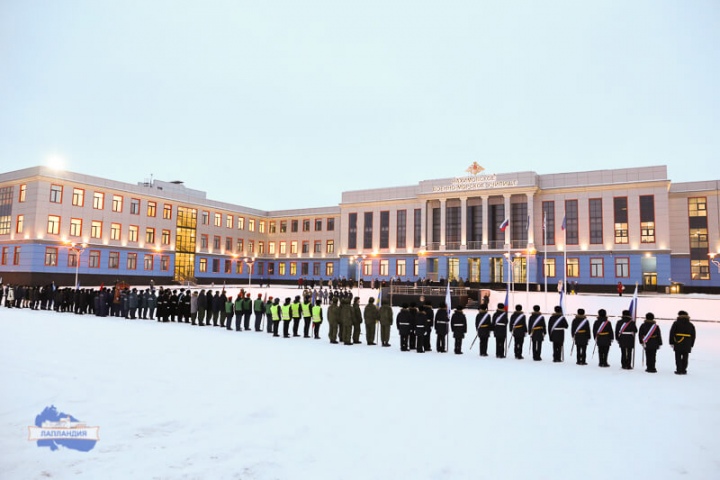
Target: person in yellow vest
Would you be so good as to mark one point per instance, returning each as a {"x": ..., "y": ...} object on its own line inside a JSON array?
[
  {"x": 295, "y": 314},
  {"x": 371, "y": 316},
  {"x": 275, "y": 317},
  {"x": 285, "y": 316},
  {"x": 306, "y": 310},
  {"x": 317, "y": 318}
]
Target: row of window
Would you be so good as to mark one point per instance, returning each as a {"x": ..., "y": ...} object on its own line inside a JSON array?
[
  {"x": 260, "y": 268},
  {"x": 94, "y": 259},
  {"x": 272, "y": 225},
  {"x": 273, "y": 248}
]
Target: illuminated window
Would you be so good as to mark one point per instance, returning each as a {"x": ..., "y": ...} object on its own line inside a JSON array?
[
  {"x": 96, "y": 229},
  {"x": 330, "y": 246},
  {"x": 271, "y": 227},
  {"x": 239, "y": 245},
  {"x": 271, "y": 248},
  {"x": 228, "y": 221},
  {"x": 218, "y": 220},
  {"x": 261, "y": 227},
  {"x": 384, "y": 268},
  {"x": 23, "y": 193},
  {"x": 149, "y": 235},
  {"x": 117, "y": 203},
  {"x": 115, "y": 229},
  {"x": 293, "y": 247},
  {"x": 281, "y": 268},
  {"x": 114, "y": 260},
  {"x": 151, "y": 209},
  {"x": 20, "y": 224},
  {"x": 51, "y": 254},
  {"x": 261, "y": 248},
  {"x": 78, "y": 198},
  {"x": 700, "y": 269},
  {"x": 203, "y": 265},
  {"x": 697, "y": 206},
  {"x": 167, "y": 211},
  {"x": 400, "y": 268},
  {"x": 165, "y": 239},
  {"x": 53, "y": 224},
  {"x": 133, "y": 233},
  {"x": 293, "y": 268},
  {"x": 132, "y": 261},
  {"x": 573, "y": 267},
  {"x": 98, "y": 200},
  {"x": 251, "y": 224},
  {"x": 241, "y": 223},
  {"x": 597, "y": 268},
  {"x": 549, "y": 267},
  {"x": 329, "y": 269},
  {"x": 283, "y": 248},
  {"x": 251, "y": 246}
]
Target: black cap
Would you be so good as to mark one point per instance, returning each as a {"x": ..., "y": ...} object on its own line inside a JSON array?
[
  {"x": 626, "y": 313},
  {"x": 558, "y": 309},
  {"x": 602, "y": 312},
  {"x": 682, "y": 312},
  {"x": 518, "y": 308},
  {"x": 649, "y": 316},
  {"x": 536, "y": 308},
  {"x": 501, "y": 305},
  {"x": 581, "y": 311}
]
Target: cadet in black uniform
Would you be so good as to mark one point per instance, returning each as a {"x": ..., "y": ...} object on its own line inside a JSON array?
[
  {"x": 625, "y": 331},
  {"x": 682, "y": 338},
  {"x": 441, "y": 328},
  {"x": 404, "y": 318},
  {"x": 483, "y": 325},
  {"x": 650, "y": 339},
  {"x": 603, "y": 333},
  {"x": 557, "y": 325},
  {"x": 420, "y": 325},
  {"x": 538, "y": 330},
  {"x": 458, "y": 324},
  {"x": 518, "y": 329},
  {"x": 500, "y": 322},
  {"x": 580, "y": 331},
  {"x": 429, "y": 318}
]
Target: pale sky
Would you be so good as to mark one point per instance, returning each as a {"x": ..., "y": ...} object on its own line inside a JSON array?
[{"x": 286, "y": 104}]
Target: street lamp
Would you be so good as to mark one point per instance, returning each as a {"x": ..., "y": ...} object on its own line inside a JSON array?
[
  {"x": 78, "y": 248},
  {"x": 358, "y": 260},
  {"x": 249, "y": 261}
]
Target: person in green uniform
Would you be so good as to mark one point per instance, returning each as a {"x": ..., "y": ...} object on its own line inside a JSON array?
[
  {"x": 356, "y": 320},
  {"x": 371, "y": 315},
  {"x": 346, "y": 321},
  {"x": 333, "y": 315},
  {"x": 386, "y": 321}
]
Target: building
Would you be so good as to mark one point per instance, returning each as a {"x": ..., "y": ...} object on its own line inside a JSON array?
[{"x": 608, "y": 226}]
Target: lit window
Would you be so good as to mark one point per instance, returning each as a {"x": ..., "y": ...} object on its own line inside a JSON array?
[
  {"x": 218, "y": 220},
  {"x": 151, "y": 209},
  {"x": 165, "y": 237},
  {"x": 96, "y": 229},
  {"x": 53, "y": 225},
  {"x": 228, "y": 221},
  {"x": 115, "y": 229},
  {"x": 51, "y": 254},
  {"x": 78, "y": 198},
  {"x": 114, "y": 260},
  {"x": 330, "y": 246},
  {"x": 167, "y": 211},
  {"x": 23, "y": 193},
  {"x": 133, "y": 233},
  {"x": 20, "y": 224},
  {"x": 149, "y": 235},
  {"x": 98, "y": 200},
  {"x": 117, "y": 203}
]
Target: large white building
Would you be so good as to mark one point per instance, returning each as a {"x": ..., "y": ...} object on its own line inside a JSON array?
[{"x": 608, "y": 226}]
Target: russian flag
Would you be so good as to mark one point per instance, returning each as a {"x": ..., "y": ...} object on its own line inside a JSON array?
[
  {"x": 379, "y": 297},
  {"x": 448, "y": 299},
  {"x": 507, "y": 298},
  {"x": 504, "y": 224},
  {"x": 564, "y": 222},
  {"x": 633, "y": 304}
]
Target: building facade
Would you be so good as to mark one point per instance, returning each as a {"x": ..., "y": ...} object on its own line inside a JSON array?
[{"x": 593, "y": 228}]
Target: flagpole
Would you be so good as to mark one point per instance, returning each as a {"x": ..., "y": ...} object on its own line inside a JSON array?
[
  {"x": 545, "y": 259},
  {"x": 564, "y": 287}
]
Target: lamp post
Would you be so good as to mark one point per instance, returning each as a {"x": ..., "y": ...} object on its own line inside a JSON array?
[
  {"x": 358, "y": 260},
  {"x": 78, "y": 248},
  {"x": 249, "y": 261},
  {"x": 714, "y": 262}
]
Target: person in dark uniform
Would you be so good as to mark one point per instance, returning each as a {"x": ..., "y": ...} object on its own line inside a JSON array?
[
  {"x": 441, "y": 328},
  {"x": 404, "y": 318},
  {"x": 420, "y": 325},
  {"x": 357, "y": 320},
  {"x": 682, "y": 338},
  {"x": 386, "y": 321},
  {"x": 518, "y": 329},
  {"x": 333, "y": 314},
  {"x": 625, "y": 331},
  {"x": 500, "y": 326},
  {"x": 603, "y": 333},
  {"x": 458, "y": 324},
  {"x": 557, "y": 325},
  {"x": 371, "y": 315},
  {"x": 483, "y": 325},
  {"x": 580, "y": 331},
  {"x": 429, "y": 320},
  {"x": 538, "y": 330},
  {"x": 650, "y": 339}
]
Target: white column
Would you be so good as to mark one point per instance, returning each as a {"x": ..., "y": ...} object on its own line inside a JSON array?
[
  {"x": 423, "y": 225},
  {"x": 507, "y": 215},
  {"x": 485, "y": 200},
  {"x": 531, "y": 214},
  {"x": 443, "y": 205},
  {"x": 463, "y": 223}
]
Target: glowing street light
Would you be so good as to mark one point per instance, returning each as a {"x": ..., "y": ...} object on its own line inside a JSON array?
[
  {"x": 249, "y": 261},
  {"x": 78, "y": 248}
]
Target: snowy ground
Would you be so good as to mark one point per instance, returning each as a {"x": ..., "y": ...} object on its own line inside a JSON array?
[{"x": 177, "y": 401}]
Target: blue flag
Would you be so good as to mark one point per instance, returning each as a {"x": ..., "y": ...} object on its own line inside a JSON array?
[
  {"x": 507, "y": 298},
  {"x": 448, "y": 299},
  {"x": 633, "y": 304}
]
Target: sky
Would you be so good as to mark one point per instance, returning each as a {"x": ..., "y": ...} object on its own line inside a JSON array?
[{"x": 286, "y": 104}]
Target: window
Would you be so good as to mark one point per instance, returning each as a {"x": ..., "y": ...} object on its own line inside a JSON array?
[
  {"x": 23, "y": 194},
  {"x": 304, "y": 271},
  {"x": 647, "y": 219},
  {"x": 571, "y": 222},
  {"x": 293, "y": 247},
  {"x": 621, "y": 219},
  {"x": 622, "y": 267},
  {"x": 261, "y": 226},
  {"x": 293, "y": 268},
  {"x": 549, "y": 222},
  {"x": 305, "y": 246},
  {"x": 385, "y": 229},
  {"x": 53, "y": 224},
  {"x": 152, "y": 209},
  {"x": 368, "y": 231},
  {"x": 16, "y": 256},
  {"x": 306, "y": 225},
  {"x": 216, "y": 242},
  {"x": 217, "y": 220},
  {"x": 133, "y": 233},
  {"x": 239, "y": 268},
  {"x": 115, "y": 229},
  {"x": 132, "y": 261},
  {"x": 239, "y": 245},
  {"x": 383, "y": 268},
  {"x": 251, "y": 246},
  {"x": 329, "y": 269},
  {"x": 51, "y": 254},
  {"x": 5, "y": 223},
  {"x": 56, "y": 193},
  {"x": 164, "y": 263},
  {"x": 417, "y": 228},
  {"x": 401, "y": 233},
  {"x": 400, "y": 268},
  {"x": 251, "y": 224},
  {"x": 228, "y": 221},
  {"x": 283, "y": 226},
  {"x": 228, "y": 244},
  {"x": 78, "y": 198},
  {"x": 149, "y": 235},
  {"x": 283, "y": 248},
  {"x": 203, "y": 265},
  {"x": 114, "y": 260},
  {"x": 228, "y": 266},
  {"x": 167, "y": 211},
  {"x": 367, "y": 267},
  {"x": 134, "y": 206},
  {"x": 148, "y": 261},
  {"x": 699, "y": 238},
  {"x": 549, "y": 267},
  {"x": 96, "y": 229},
  {"x": 294, "y": 226},
  {"x": 75, "y": 227},
  {"x": 203, "y": 241},
  {"x": 117, "y": 203},
  {"x": 72, "y": 259},
  {"x": 596, "y": 221},
  {"x": 697, "y": 206},
  {"x": 271, "y": 227},
  {"x": 330, "y": 225},
  {"x": 216, "y": 265},
  {"x": 205, "y": 217},
  {"x": 316, "y": 269},
  {"x": 165, "y": 238},
  {"x": 271, "y": 268},
  {"x": 241, "y": 223},
  {"x": 4, "y": 256},
  {"x": 330, "y": 246},
  {"x": 573, "y": 267},
  {"x": 699, "y": 270},
  {"x": 597, "y": 269},
  {"x": 281, "y": 268},
  {"x": 98, "y": 200},
  {"x": 352, "y": 231},
  {"x": 318, "y": 224},
  {"x": 317, "y": 247},
  {"x": 261, "y": 248},
  {"x": 20, "y": 224},
  {"x": 94, "y": 259}
]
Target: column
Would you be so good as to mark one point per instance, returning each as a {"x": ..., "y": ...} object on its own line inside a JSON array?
[
  {"x": 443, "y": 205},
  {"x": 508, "y": 230},
  {"x": 531, "y": 215},
  {"x": 485, "y": 199},
  {"x": 463, "y": 223}
]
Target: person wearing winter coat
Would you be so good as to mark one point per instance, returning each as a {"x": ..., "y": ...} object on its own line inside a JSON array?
[
  {"x": 557, "y": 326},
  {"x": 458, "y": 325},
  {"x": 682, "y": 338},
  {"x": 650, "y": 339},
  {"x": 386, "y": 321},
  {"x": 603, "y": 333},
  {"x": 441, "y": 328},
  {"x": 580, "y": 331},
  {"x": 625, "y": 330}
]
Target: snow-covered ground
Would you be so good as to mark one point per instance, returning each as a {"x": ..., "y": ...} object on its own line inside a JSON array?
[{"x": 179, "y": 401}]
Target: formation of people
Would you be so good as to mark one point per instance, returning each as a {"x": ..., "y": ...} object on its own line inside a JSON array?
[{"x": 415, "y": 322}]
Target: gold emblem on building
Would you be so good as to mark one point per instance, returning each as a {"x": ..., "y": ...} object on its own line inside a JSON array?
[{"x": 474, "y": 169}]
